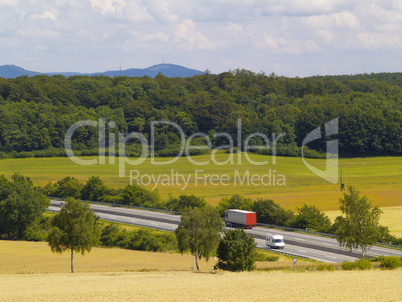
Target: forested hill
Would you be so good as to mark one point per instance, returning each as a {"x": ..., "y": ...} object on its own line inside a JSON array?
[
  {"x": 169, "y": 70},
  {"x": 35, "y": 112}
]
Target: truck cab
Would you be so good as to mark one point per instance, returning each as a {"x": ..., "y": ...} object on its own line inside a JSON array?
[{"x": 275, "y": 241}]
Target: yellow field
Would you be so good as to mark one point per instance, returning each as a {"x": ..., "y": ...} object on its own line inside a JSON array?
[
  {"x": 35, "y": 257},
  {"x": 22, "y": 257},
  {"x": 391, "y": 217},
  {"x": 30, "y": 272},
  {"x": 186, "y": 286}
]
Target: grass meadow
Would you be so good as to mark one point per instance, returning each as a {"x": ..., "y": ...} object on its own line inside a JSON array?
[
  {"x": 291, "y": 183},
  {"x": 30, "y": 272}
]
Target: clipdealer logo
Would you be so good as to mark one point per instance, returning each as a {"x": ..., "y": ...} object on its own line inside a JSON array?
[
  {"x": 116, "y": 150},
  {"x": 330, "y": 173}
]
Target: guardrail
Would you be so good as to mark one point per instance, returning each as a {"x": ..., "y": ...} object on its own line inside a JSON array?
[
  {"x": 121, "y": 205},
  {"x": 317, "y": 233},
  {"x": 295, "y": 230},
  {"x": 282, "y": 252},
  {"x": 129, "y": 222}
]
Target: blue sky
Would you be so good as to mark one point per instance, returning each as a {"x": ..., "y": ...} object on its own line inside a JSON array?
[{"x": 291, "y": 38}]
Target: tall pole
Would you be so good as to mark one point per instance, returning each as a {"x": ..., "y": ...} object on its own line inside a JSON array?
[{"x": 341, "y": 182}]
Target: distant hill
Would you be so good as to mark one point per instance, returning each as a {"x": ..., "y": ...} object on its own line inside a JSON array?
[
  {"x": 168, "y": 70},
  {"x": 12, "y": 71}
]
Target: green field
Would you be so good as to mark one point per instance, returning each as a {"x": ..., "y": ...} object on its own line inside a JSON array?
[{"x": 379, "y": 178}]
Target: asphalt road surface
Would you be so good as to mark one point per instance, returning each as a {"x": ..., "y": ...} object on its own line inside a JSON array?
[{"x": 296, "y": 244}]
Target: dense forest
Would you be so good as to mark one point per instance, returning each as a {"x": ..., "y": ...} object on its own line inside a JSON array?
[{"x": 36, "y": 112}]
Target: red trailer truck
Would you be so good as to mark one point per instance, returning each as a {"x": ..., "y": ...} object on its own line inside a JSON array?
[{"x": 240, "y": 219}]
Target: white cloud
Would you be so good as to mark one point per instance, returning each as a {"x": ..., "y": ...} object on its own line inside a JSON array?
[
  {"x": 9, "y": 3},
  {"x": 188, "y": 38},
  {"x": 45, "y": 15},
  {"x": 336, "y": 21},
  {"x": 162, "y": 11},
  {"x": 113, "y": 7},
  {"x": 219, "y": 35},
  {"x": 290, "y": 47},
  {"x": 234, "y": 27},
  {"x": 315, "y": 7}
]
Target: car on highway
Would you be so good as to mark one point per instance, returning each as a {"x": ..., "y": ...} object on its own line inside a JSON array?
[{"x": 275, "y": 241}]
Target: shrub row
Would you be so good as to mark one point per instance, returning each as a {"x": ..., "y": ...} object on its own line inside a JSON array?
[
  {"x": 388, "y": 262},
  {"x": 114, "y": 235},
  {"x": 361, "y": 264}
]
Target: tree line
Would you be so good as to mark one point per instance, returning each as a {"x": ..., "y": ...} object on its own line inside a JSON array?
[
  {"x": 268, "y": 211},
  {"x": 36, "y": 112},
  {"x": 21, "y": 205}
]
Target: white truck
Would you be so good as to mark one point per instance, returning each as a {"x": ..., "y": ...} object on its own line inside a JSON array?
[{"x": 275, "y": 241}]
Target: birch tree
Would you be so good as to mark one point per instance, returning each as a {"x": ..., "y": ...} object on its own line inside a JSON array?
[
  {"x": 199, "y": 231},
  {"x": 359, "y": 224},
  {"x": 75, "y": 228}
]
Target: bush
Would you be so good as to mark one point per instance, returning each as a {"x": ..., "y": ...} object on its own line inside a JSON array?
[
  {"x": 236, "y": 251},
  {"x": 109, "y": 234},
  {"x": 325, "y": 267},
  {"x": 235, "y": 202},
  {"x": 269, "y": 212},
  {"x": 391, "y": 262},
  {"x": 361, "y": 264},
  {"x": 136, "y": 195},
  {"x": 309, "y": 217},
  {"x": 348, "y": 266},
  {"x": 185, "y": 201},
  {"x": 68, "y": 187},
  {"x": 141, "y": 240},
  {"x": 377, "y": 259},
  {"x": 38, "y": 230}
]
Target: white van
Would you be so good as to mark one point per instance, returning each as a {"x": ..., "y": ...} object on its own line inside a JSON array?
[{"x": 275, "y": 241}]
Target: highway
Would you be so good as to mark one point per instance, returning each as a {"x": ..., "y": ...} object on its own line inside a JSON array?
[{"x": 297, "y": 244}]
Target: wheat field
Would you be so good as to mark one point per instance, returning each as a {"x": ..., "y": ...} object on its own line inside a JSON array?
[
  {"x": 30, "y": 272},
  {"x": 186, "y": 286},
  {"x": 390, "y": 217},
  {"x": 22, "y": 257}
]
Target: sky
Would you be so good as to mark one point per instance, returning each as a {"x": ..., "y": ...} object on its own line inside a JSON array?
[{"x": 289, "y": 38}]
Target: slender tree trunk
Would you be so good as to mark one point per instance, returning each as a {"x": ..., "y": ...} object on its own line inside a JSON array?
[
  {"x": 196, "y": 261},
  {"x": 72, "y": 265}
]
